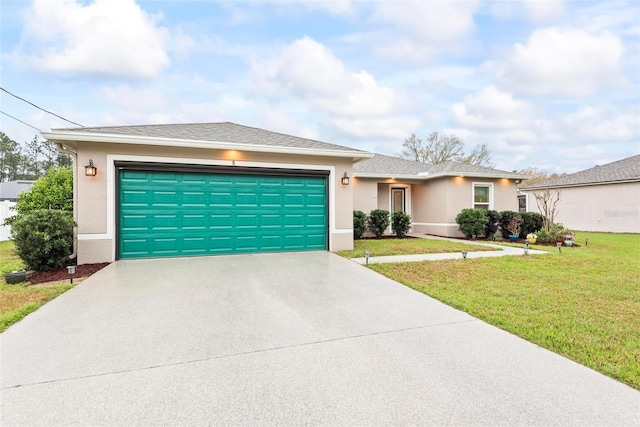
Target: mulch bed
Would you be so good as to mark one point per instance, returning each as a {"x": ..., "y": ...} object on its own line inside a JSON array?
[{"x": 84, "y": 270}]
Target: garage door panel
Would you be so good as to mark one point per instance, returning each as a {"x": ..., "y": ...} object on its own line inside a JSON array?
[{"x": 201, "y": 213}]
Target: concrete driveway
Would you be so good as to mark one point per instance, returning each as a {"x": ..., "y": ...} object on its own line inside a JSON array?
[{"x": 282, "y": 339}]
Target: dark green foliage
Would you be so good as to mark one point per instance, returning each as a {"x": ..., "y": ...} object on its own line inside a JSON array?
[
  {"x": 555, "y": 230},
  {"x": 378, "y": 221},
  {"x": 505, "y": 219},
  {"x": 472, "y": 222},
  {"x": 359, "y": 224},
  {"x": 43, "y": 238},
  {"x": 52, "y": 191},
  {"x": 531, "y": 222},
  {"x": 401, "y": 223},
  {"x": 493, "y": 221}
]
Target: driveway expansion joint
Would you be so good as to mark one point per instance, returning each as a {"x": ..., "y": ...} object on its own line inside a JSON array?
[{"x": 225, "y": 356}]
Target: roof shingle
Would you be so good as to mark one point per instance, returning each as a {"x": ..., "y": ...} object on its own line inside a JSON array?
[
  {"x": 395, "y": 166},
  {"x": 619, "y": 171},
  {"x": 218, "y": 132}
]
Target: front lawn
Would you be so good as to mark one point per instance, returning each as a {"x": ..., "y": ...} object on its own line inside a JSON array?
[
  {"x": 583, "y": 303},
  {"x": 407, "y": 246},
  {"x": 16, "y": 301}
]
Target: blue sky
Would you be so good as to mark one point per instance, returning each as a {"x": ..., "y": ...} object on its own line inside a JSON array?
[{"x": 552, "y": 84}]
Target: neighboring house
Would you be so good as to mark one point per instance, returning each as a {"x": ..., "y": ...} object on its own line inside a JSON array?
[
  {"x": 206, "y": 188},
  {"x": 603, "y": 198},
  {"x": 10, "y": 190},
  {"x": 9, "y": 194},
  {"x": 432, "y": 194}
]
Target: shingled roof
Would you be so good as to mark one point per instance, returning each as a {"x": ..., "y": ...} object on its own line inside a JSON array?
[
  {"x": 225, "y": 132},
  {"x": 381, "y": 166},
  {"x": 624, "y": 170}
]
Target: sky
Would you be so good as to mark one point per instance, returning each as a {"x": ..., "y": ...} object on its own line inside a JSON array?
[{"x": 550, "y": 84}]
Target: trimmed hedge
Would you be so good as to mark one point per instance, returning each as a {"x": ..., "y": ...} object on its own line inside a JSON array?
[
  {"x": 472, "y": 222},
  {"x": 359, "y": 224},
  {"x": 401, "y": 223},
  {"x": 378, "y": 221}
]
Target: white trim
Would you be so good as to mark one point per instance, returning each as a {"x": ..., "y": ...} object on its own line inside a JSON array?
[
  {"x": 111, "y": 181},
  {"x": 79, "y": 136},
  {"x": 436, "y": 224},
  {"x": 97, "y": 236},
  {"x": 419, "y": 177},
  {"x": 407, "y": 200},
  {"x": 343, "y": 231},
  {"x": 482, "y": 184}
]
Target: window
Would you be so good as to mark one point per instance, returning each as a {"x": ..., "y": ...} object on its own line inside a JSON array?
[
  {"x": 483, "y": 196},
  {"x": 522, "y": 203}
]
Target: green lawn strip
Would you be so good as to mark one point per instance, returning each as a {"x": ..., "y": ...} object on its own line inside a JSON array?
[
  {"x": 16, "y": 301},
  {"x": 9, "y": 260},
  {"x": 583, "y": 303},
  {"x": 410, "y": 246}
]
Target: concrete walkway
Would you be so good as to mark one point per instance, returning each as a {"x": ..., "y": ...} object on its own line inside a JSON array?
[{"x": 501, "y": 251}]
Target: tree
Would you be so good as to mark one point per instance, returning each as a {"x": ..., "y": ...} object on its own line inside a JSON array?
[
  {"x": 30, "y": 161},
  {"x": 537, "y": 175},
  {"x": 10, "y": 159},
  {"x": 443, "y": 147},
  {"x": 547, "y": 201}
]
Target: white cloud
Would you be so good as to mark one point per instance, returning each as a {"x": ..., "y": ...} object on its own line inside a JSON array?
[
  {"x": 107, "y": 37},
  {"x": 564, "y": 61},
  {"x": 492, "y": 108},
  {"x": 544, "y": 10},
  {"x": 309, "y": 71},
  {"x": 423, "y": 29}
]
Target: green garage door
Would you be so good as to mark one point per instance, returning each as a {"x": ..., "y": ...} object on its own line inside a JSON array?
[{"x": 167, "y": 214}]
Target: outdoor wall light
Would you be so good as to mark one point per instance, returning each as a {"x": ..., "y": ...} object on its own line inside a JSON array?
[
  {"x": 345, "y": 179},
  {"x": 90, "y": 170},
  {"x": 366, "y": 256},
  {"x": 72, "y": 270},
  {"x": 464, "y": 255}
]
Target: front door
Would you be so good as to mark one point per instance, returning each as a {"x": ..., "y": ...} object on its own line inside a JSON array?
[{"x": 397, "y": 200}]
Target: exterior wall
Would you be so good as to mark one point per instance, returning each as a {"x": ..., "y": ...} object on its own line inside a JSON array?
[
  {"x": 365, "y": 194},
  {"x": 95, "y": 201},
  {"x": 611, "y": 208}
]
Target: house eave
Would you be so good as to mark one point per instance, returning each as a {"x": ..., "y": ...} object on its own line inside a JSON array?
[
  {"x": 72, "y": 138},
  {"x": 439, "y": 175}
]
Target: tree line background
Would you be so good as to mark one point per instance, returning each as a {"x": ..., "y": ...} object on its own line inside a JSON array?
[{"x": 29, "y": 160}]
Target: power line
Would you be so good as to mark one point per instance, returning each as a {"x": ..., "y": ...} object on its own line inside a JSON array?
[
  {"x": 39, "y": 108},
  {"x": 24, "y": 123}
]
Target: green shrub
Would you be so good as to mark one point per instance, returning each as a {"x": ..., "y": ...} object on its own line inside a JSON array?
[
  {"x": 493, "y": 222},
  {"x": 531, "y": 222},
  {"x": 43, "y": 238},
  {"x": 359, "y": 224},
  {"x": 52, "y": 191},
  {"x": 378, "y": 221},
  {"x": 555, "y": 231},
  {"x": 401, "y": 223},
  {"x": 505, "y": 220},
  {"x": 472, "y": 222}
]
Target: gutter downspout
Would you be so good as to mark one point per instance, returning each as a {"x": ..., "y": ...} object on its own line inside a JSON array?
[{"x": 74, "y": 160}]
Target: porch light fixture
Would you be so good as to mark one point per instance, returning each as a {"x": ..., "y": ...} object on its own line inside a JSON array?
[
  {"x": 464, "y": 255},
  {"x": 90, "y": 170},
  {"x": 345, "y": 179},
  {"x": 71, "y": 270}
]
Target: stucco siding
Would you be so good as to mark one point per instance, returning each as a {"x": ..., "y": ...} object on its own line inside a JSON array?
[
  {"x": 611, "y": 208},
  {"x": 95, "y": 203},
  {"x": 365, "y": 194}
]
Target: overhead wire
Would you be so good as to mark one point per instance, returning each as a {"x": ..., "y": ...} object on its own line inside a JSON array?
[
  {"x": 24, "y": 123},
  {"x": 39, "y": 108}
]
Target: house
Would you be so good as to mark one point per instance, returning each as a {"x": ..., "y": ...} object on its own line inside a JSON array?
[
  {"x": 432, "y": 194},
  {"x": 603, "y": 198},
  {"x": 10, "y": 190},
  {"x": 9, "y": 195},
  {"x": 206, "y": 188}
]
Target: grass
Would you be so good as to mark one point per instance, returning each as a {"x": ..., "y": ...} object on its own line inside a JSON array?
[
  {"x": 583, "y": 303},
  {"x": 410, "y": 246},
  {"x": 16, "y": 301}
]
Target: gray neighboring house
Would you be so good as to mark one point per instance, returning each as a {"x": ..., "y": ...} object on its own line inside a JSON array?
[
  {"x": 10, "y": 190},
  {"x": 9, "y": 194},
  {"x": 603, "y": 198},
  {"x": 432, "y": 194}
]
